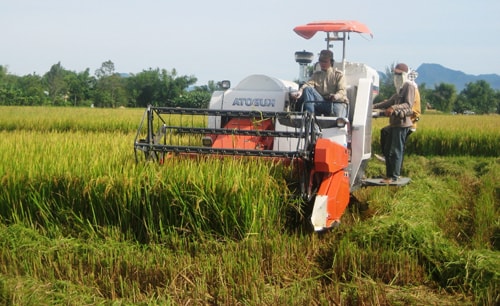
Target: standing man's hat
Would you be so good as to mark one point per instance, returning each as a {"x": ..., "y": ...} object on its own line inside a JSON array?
[{"x": 401, "y": 67}]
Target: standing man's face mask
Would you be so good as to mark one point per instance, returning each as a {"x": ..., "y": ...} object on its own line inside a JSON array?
[{"x": 399, "y": 80}]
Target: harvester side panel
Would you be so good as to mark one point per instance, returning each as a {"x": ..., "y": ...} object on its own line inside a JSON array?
[
  {"x": 331, "y": 200},
  {"x": 330, "y": 156},
  {"x": 361, "y": 134}
]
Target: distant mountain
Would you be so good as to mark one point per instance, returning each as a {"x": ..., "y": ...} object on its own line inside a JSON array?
[{"x": 434, "y": 74}]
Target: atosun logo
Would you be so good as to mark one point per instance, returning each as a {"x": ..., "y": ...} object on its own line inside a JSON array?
[{"x": 262, "y": 102}]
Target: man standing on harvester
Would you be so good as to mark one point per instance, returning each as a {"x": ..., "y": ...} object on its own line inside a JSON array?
[
  {"x": 325, "y": 92},
  {"x": 399, "y": 110}
]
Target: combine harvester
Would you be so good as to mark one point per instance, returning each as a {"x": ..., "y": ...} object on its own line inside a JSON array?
[{"x": 258, "y": 118}]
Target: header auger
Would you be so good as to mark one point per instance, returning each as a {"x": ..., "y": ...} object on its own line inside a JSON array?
[{"x": 258, "y": 118}]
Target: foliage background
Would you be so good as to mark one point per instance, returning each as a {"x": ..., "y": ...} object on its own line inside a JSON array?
[{"x": 161, "y": 87}]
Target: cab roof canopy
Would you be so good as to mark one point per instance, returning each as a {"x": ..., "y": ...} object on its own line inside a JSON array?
[
  {"x": 309, "y": 30},
  {"x": 332, "y": 28}
]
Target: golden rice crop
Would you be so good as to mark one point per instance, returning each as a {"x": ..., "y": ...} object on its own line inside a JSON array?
[
  {"x": 63, "y": 177},
  {"x": 69, "y": 119}
]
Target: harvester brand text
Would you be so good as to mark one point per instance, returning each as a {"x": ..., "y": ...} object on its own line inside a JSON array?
[{"x": 254, "y": 102}]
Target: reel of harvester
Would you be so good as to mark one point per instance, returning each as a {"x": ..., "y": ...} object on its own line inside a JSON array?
[{"x": 166, "y": 132}]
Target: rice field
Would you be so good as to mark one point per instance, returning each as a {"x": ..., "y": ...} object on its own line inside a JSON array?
[
  {"x": 451, "y": 135},
  {"x": 82, "y": 223}
]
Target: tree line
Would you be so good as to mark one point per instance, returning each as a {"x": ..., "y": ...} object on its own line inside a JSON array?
[
  {"x": 477, "y": 97},
  {"x": 160, "y": 87},
  {"x": 105, "y": 88}
]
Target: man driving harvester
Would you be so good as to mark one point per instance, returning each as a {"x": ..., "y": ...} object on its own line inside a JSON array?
[{"x": 325, "y": 92}]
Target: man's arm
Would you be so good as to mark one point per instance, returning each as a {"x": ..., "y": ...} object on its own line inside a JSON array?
[
  {"x": 386, "y": 103},
  {"x": 340, "y": 95},
  {"x": 404, "y": 108},
  {"x": 298, "y": 94}
]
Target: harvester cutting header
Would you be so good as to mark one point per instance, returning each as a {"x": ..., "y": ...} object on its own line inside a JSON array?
[{"x": 260, "y": 117}]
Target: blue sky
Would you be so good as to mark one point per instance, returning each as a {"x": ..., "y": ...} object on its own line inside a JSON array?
[{"x": 230, "y": 39}]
